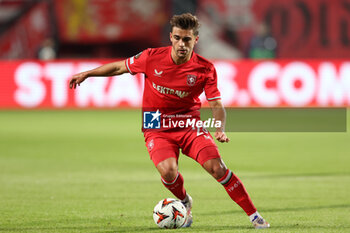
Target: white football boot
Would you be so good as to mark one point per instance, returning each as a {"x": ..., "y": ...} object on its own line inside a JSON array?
[
  {"x": 259, "y": 222},
  {"x": 187, "y": 202}
]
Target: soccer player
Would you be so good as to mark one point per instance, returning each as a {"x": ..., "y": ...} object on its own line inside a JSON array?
[{"x": 175, "y": 76}]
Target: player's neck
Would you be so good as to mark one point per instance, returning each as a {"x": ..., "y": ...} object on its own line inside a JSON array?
[{"x": 177, "y": 60}]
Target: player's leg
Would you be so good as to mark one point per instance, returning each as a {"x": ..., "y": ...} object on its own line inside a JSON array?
[
  {"x": 173, "y": 180},
  {"x": 202, "y": 148},
  {"x": 164, "y": 153},
  {"x": 171, "y": 177},
  {"x": 232, "y": 184}
]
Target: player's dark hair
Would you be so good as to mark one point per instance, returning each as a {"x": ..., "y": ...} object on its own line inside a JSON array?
[{"x": 185, "y": 21}]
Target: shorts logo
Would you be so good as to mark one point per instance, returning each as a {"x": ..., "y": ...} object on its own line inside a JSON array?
[
  {"x": 151, "y": 120},
  {"x": 150, "y": 145},
  {"x": 191, "y": 79}
]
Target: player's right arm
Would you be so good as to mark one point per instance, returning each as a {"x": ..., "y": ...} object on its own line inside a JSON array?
[{"x": 110, "y": 69}]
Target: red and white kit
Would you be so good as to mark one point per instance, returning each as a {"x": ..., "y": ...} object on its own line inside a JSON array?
[{"x": 175, "y": 90}]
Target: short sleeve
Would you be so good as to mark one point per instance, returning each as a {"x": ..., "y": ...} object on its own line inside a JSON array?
[
  {"x": 137, "y": 64},
  {"x": 211, "y": 87}
]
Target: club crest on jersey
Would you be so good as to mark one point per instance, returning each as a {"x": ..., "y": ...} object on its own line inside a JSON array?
[{"x": 191, "y": 79}]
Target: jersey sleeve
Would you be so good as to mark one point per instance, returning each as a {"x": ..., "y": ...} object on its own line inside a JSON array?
[
  {"x": 211, "y": 87},
  {"x": 137, "y": 64}
]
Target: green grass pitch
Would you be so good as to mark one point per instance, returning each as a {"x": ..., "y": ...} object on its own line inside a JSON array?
[{"x": 89, "y": 171}]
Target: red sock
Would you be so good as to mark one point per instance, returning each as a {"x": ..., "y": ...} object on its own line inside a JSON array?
[
  {"x": 176, "y": 186},
  {"x": 237, "y": 192}
]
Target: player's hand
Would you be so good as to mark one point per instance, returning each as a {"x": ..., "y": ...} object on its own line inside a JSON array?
[
  {"x": 77, "y": 79},
  {"x": 221, "y": 136}
]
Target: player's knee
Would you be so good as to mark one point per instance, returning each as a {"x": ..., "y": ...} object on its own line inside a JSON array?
[
  {"x": 218, "y": 172},
  {"x": 168, "y": 170},
  {"x": 169, "y": 174},
  {"x": 215, "y": 168}
]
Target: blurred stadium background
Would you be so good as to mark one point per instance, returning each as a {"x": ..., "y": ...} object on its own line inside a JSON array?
[
  {"x": 63, "y": 170},
  {"x": 292, "y": 53}
]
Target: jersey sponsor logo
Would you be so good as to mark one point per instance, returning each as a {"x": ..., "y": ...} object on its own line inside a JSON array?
[
  {"x": 191, "y": 79},
  {"x": 151, "y": 120},
  {"x": 170, "y": 91},
  {"x": 158, "y": 73}
]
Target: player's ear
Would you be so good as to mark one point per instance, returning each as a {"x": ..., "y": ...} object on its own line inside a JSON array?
[
  {"x": 170, "y": 36},
  {"x": 196, "y": 40}
]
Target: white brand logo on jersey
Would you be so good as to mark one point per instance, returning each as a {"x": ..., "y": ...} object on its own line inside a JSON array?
[{"x": 156, "y": 73}]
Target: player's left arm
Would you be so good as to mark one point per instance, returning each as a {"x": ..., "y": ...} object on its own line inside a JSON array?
[{"x": 219, "y": 113}]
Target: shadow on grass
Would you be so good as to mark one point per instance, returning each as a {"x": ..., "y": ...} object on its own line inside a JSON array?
[
  {"x": 79, "y": 229},
  {"x": 266, "y": 210},
  {"x": 294, "y": 175},
  {"x": 48, "y": 229},
  {"x": 343, "y": 206},
  {"x": 308, "y": 226},
  {"x": 104, "y": 229},
  {"x": 202, "y": 228}
]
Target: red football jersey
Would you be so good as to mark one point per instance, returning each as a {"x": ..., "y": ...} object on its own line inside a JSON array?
[
  {"x": 171, "y": 88},
  {"x": 168, "y": 85}
]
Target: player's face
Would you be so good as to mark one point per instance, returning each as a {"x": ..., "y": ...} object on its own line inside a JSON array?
[{"x": 183, "y": 42}]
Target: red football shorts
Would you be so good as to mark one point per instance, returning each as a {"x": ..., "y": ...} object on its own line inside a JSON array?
[{"x": 196, "y": 144}]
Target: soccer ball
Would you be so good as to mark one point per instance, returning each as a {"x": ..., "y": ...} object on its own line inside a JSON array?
[{"x": 169, "y": 213}]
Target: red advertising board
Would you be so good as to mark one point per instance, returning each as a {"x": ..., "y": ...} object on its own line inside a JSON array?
[{"x": 273, "y": 83}]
